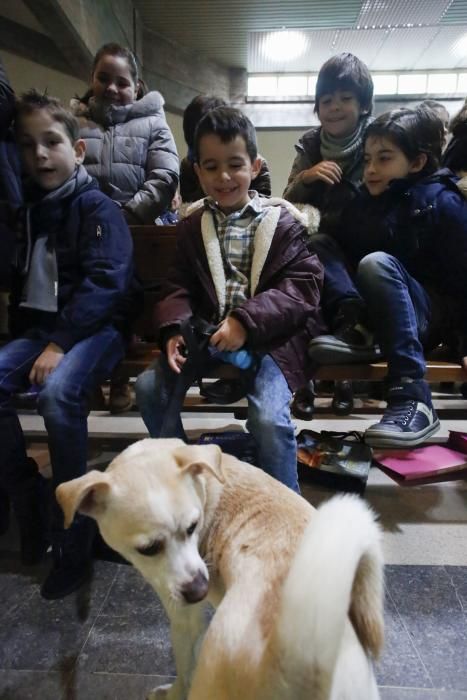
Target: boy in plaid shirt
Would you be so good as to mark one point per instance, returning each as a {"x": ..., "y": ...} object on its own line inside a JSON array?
[{"x": 242, "y": 263}]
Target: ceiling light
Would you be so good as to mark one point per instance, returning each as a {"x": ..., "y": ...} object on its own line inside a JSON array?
[
  {"x": 460, "y": 47},
  {"x": 284, "y": 46}
]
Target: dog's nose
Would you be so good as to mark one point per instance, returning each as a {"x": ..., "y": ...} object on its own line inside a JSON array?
[{"x": 196, "y": 589}]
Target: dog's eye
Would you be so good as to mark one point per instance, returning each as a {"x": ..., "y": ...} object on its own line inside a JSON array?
[
  {"x": 190, "y": 530},
  {"x": 151, "y": 549}
]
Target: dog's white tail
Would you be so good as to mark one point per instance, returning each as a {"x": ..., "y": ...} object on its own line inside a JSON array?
[{"x": 337, "y": 572}]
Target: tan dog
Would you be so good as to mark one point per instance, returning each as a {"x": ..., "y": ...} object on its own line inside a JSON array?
[{"x": 298, "y": 592}]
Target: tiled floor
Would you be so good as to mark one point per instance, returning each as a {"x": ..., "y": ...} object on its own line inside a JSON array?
[{"x": 111, "y": 640}]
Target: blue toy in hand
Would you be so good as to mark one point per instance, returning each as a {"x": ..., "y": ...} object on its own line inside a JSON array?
[{"x": 239, "y": 358}]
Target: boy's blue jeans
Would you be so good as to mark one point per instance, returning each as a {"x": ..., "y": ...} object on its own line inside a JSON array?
[
  {"x": 399, "y": 307},
  {"x": 63, "y": 402},
  {"x": 269, "y": 419}
]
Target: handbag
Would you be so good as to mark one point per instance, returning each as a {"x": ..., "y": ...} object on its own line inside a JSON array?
[{"x": 340, "y": 461}]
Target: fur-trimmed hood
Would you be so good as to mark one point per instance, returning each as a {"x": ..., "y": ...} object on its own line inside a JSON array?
[{"x": 305, "y": 214}]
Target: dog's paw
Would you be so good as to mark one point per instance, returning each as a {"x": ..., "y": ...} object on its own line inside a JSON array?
[{"x": 160, "y": 693}]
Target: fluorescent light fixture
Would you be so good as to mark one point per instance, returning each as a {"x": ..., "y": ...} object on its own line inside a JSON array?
[
  {"x": 460, "y": 47},
  {"x": 291, "y": 85},
  {"x": 385, "y": 84},
  {"x": 412, "y": 84},
  {"x": 438, "y": 83},
  {"x": 312, "y": 80},
  {"x": 262, "y": 85},
  {"x": 284, "y": 46},
  {"x": 462, "y": 84}
]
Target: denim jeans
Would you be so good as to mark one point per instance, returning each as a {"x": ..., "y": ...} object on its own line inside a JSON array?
[
  {"x": 269, "y": 419},
  {"x": 63, "y": 402},
  {"x": 399, "y": 307},
  {"x": 338, "y": 284},
  {"x": 400, "y": 311}
]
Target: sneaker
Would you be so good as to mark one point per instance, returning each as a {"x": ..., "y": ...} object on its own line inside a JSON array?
[
  {"x": 120, "y": 398},
  {"x": 65, "y": 577},
  {"x": 350, "y": 344},
  {"x": 350, "y": 341},
  {"x": 408, "y": 420},
  {"x": 72, "y": 559}
]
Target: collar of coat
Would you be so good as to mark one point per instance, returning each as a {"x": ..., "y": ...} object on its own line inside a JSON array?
[{"x": 309, "y": 218}]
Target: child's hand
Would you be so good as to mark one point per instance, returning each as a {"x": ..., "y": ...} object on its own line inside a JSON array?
[
  {"x": 327, "y": 171},
  {"x": 174, "y": 349},
  {"x": 231, "y": 335},
  {"x": 46, "y": 363}
]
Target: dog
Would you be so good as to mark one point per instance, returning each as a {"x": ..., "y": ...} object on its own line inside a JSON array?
[{"x": 298, "y": 592}]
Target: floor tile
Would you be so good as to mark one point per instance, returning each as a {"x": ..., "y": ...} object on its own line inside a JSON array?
[
  {"x": 400, "y": 664},
  {"x": 134, "y": 643},
  {"x": 33, "y": 685},
  {"x": 45, "y": 635},
  {"x": 431, "y": 611},
  {"x": 131, "y": 594},
  {"x": 113, "y": 686}
]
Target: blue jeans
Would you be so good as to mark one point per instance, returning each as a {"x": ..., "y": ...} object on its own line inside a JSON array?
[
  {"x": 268, "y": 421},
  {"x": 63, "y": 402},
  {"x": 338, "y": 283}
]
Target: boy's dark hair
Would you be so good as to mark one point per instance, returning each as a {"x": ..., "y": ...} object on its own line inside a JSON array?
[
  {"x": 414, "y": 131},
  {"x": 227, "y": 123},
  {"x": 345, "y": 72},
  {"x": 194, "y": 112},
  {"x": 114, "y": 49},
  {"x": 33, "y": 101}
]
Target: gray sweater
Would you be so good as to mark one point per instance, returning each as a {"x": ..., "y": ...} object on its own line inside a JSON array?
[{"x": 131, "y": 152}]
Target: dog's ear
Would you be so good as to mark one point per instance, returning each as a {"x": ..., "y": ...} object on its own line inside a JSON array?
[
  {"x": 197, "y": 458},
  {"x": 87, "y": 494}
]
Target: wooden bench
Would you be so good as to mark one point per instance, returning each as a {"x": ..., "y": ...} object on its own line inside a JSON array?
[{"x": 154, "y": 250}]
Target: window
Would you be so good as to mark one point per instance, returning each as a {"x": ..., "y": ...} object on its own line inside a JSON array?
[
  {"x": 385, "y": 84},
  {"x": 412, "y": 84}
]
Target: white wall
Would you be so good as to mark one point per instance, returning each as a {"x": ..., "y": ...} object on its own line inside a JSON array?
[{"x": 277, "y": 146}]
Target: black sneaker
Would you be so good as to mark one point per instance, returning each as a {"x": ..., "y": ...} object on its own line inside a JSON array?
[
  {"x": 72, "y": 559},
  {"x": 350, "y": 341},
  {"x": 350, "y": 345},
  {"x": 65, "y": 577},
  {"x": 408, "y": 420}
]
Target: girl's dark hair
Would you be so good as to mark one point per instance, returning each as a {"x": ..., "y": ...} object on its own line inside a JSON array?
[
  {"x": 414, "y": 131},
  {"x": 227, "y": 123},
  {"x": 34, "y": 101},
  {"x": 114, "y": 49},
  {"x": 345, "y": 72},
  {"x": 197, "y": 108}
]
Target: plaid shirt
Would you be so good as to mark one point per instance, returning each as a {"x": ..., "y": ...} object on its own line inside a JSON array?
[{"x": 236, "y": 234}]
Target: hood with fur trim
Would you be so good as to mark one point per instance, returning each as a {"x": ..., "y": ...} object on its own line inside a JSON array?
[{"x": 305, "y": 214}]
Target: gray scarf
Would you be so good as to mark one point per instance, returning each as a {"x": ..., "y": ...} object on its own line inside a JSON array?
[
  {"x": 40, "y": 290},
  {"x": 346, "y": 152}
]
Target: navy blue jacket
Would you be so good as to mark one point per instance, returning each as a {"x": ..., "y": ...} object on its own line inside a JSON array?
[
  {"x": 10, "y": 179},
  {"x": 94, "y": 253},
  {"x": 422, "y": 223}
]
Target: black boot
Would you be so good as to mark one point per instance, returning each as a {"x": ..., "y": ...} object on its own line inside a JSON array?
[
  {"x": 4, "y": 511},
  {"x": 303, "y": 404},
  {"x": 29, "y": 503},
  {"x": 342, "y": 403},
  {"x": 71, "y": 552}
]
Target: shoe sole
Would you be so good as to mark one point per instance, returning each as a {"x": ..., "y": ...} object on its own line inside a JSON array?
[
  {"x": 332, "y": 354},
  {"x": 383, "y": 438}
]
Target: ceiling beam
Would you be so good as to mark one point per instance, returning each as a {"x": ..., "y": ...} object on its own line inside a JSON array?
[
  {"x": 32, "y": 45},
  {"x": 52, "y": 16}
]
